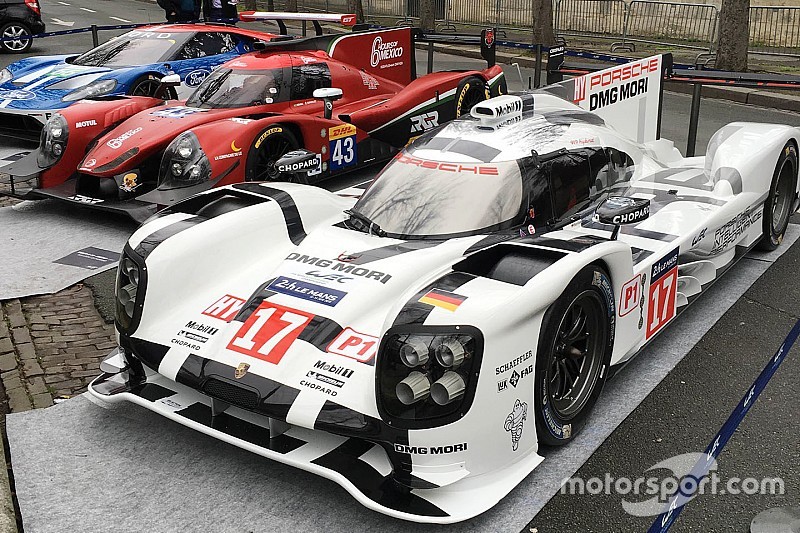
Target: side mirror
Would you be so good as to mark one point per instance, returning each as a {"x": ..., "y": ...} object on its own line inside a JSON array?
[
  {"x": 619, "y": 210},
  {"x": 300, "y": 162},
  {"x": 328, "y": 95},
  {"x": 168, "y": 81}
]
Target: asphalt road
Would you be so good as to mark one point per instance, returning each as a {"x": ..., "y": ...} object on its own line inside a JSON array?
[
  {"x": 685, "y": 410},
  {"x": 690, "y": 405}
]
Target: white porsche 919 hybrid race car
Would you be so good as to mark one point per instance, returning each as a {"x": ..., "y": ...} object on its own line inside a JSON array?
[{"x": 420, "y": 344}]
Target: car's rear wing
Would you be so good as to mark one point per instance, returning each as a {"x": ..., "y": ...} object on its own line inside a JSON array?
[
  {"x": 280, "y": 17},
  {"x": 387, "y": 53},
  {"x": 628, "y": 96}
]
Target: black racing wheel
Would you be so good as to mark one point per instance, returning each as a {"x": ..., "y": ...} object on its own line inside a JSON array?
[
  {"x": 20, "y": 33},
  {"x": 270, "y": 145},
  {"x": 148, "y": 85},
  {"x": 472, "y": 90},
  {"x": 573, "y": 356},
  {"x": 781, "y": 199}
]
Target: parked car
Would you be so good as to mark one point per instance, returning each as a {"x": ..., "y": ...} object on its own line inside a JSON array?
[
  {"x": 35, "y": 88},
  {"x": 18, "y": 20},
  {"x": 419, "y": 345},
  {"x": 348, "y": 100}
]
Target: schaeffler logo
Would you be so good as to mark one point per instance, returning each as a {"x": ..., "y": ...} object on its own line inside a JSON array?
[
  {"x": 382, "y": 51},
  {"x": 651, "y": 495},
  {"x": 117, "y": 143}
]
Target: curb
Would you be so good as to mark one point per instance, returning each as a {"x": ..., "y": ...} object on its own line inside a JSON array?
[{"x": 8, "y": 519}]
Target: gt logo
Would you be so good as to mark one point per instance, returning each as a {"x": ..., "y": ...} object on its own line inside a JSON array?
[
  {"x": 269, "y": 332},
  {"x": 355, "y": 345},
  {"x": 424, "y": 122}
]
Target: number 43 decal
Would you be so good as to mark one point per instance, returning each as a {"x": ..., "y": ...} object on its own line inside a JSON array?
[{"x": 269, "y": 332}]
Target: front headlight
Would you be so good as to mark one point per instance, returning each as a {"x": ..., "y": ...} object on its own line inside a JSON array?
[
  {"x": 5, "y": 75},
  {"x": 427, "y": 374},
  {"x": 96, "y": 88},
  {"x": 53, "y": 141},
  {"x": 129, "y": 278},
  {"x": 184, "y": 163}
]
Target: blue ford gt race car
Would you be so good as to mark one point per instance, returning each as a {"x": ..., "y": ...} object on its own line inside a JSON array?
[{"x": 32, "y": 89}]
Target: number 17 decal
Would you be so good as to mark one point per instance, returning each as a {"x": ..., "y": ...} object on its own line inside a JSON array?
[
  {"x": 269, "y": 332},
  {"x": 663, "y": 293}
]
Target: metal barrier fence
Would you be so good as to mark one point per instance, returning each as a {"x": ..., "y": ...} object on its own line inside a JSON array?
[
  {"x": 775, "y": 30},
  {"x": 694, "y": 26},
  {"x": 605, "y": 19},
  {"x": 682, "y": 24}
]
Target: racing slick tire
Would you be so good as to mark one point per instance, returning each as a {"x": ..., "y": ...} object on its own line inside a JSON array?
[
  {"x": 573, "y": 356},
  {"x": 148, "y": 84},
  {"x": 781, "y": 199},
  {"x": 270, "y": 145},
  {"x": 470, "y": 91},
  {"x": 16, "y": 29}
]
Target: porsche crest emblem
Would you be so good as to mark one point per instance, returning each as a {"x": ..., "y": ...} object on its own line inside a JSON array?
[{"x": 241, "y": 370}]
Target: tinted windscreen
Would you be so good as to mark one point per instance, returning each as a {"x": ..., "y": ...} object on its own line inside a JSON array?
[
  {"x": 239, "y": 88},
  {"x": 134, "y": 48},
  {"x": 414, "y": 197}
]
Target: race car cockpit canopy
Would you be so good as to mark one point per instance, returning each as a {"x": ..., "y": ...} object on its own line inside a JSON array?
[
  {"x": 135, "y": 48},
  {"x": 228, "y": 88},
  {"x": 419, "y": 198}
]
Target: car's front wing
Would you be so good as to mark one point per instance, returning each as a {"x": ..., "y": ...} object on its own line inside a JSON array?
[{"x": 360, "y": 467}]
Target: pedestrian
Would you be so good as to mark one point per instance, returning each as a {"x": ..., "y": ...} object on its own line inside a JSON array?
[
  {"x": 229, "y": 10},
  {"x": 215, "y": 10},
  {"x": 188, "y": 10},
  {"x": 212, "y": 10},
  {"x": 171, "y": 9}
]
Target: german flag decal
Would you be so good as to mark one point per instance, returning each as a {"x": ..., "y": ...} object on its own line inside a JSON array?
[{"x": 443, "y": 299}]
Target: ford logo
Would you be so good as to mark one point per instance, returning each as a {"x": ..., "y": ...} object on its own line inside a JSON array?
[
  {"x": 195, "y": 77},
  {"x": 16, "y": 94}
]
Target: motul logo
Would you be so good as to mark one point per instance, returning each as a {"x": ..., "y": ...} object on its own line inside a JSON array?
[{"x": 382, "y": 51}]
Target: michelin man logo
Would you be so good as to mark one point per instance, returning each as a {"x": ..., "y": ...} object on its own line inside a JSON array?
[{"x": 514, "y": 422}]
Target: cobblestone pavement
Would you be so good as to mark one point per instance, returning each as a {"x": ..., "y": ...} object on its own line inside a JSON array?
[{"x": 51, "y": 346}]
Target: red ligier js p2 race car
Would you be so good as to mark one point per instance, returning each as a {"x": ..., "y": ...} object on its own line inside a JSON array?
[{"x": 345, "y": 101}]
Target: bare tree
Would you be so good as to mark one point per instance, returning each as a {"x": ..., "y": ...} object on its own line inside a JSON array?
[
  {"x": 543, "y": 22},
  {"x": 734, "y": 35},
  {"x": 356, "y": 7},
  {"x": 427, "y": 14}
]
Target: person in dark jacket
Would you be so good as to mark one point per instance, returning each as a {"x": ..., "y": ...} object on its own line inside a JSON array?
[
  {"x": 171, "y": 9},
  {"x": 188, "y": 10},
  {"x": 220, "y": 9}
]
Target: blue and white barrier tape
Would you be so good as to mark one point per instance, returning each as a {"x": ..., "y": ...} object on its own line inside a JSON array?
[{"x": 691, "y": 482}]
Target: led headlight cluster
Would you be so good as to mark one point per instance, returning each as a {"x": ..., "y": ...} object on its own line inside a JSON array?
[
  {"x": 90, "y": 90},
  {"x": 129, "y": 278},
  {"x": 53, "y": 141},
  {"x": 184, "y": 163},
  {"x": 427, "y": 377}
]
